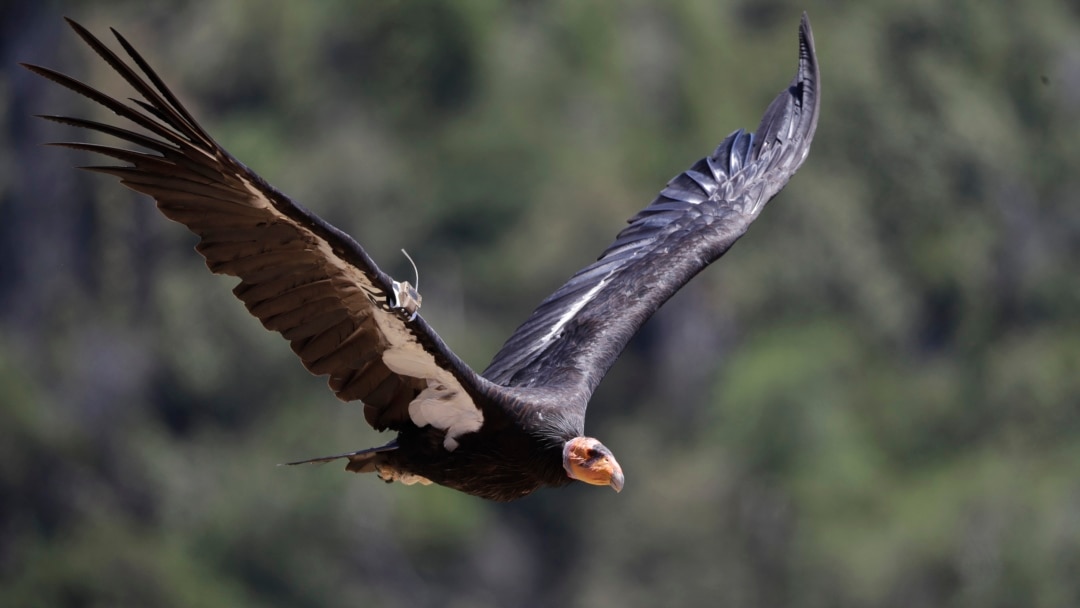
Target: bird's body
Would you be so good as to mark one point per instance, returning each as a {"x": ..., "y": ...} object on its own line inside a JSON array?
[
  {"x": 511, "y": 459},
  {"x": 519, "y": 425}
]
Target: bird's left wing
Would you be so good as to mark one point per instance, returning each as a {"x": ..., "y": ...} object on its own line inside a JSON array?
[
  {"x": 575, "y": 335},
  {"x": 300, "y": 276}
]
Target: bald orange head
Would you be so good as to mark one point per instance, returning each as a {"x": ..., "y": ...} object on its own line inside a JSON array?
[{"x": 586, "y": 459}]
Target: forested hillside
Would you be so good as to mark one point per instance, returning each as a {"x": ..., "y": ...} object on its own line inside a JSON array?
[{"x": 873, "y": 400}]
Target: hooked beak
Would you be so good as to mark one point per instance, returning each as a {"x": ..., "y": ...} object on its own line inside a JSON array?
[{"x": 617, "y": 480}]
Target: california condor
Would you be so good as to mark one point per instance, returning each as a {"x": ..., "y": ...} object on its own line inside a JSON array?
[{"x": 517, "y": 426}]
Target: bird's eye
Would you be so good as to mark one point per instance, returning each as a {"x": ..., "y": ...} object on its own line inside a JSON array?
[{"x": 592, "y": 453}]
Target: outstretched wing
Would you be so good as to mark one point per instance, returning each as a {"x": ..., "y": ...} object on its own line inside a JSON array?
[
  {"x": 576, "y": 334},
  {"x": 300, "y": 276}
]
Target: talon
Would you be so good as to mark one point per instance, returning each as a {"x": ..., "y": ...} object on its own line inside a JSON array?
[{"x": 388, "y": 475}]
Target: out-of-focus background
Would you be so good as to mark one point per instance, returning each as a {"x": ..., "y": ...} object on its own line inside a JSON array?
[{"x": 872, "y": 400}]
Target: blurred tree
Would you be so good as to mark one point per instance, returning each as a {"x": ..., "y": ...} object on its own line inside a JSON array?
[{"x": 871, "y": 401}]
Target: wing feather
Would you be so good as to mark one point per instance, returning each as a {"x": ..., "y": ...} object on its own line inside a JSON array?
[
  {"x": 576, "y": 334},
  {"x": 300, "y": 276}
]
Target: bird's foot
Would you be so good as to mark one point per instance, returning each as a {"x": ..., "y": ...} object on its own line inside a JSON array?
[{"x": 390, "y": 474}]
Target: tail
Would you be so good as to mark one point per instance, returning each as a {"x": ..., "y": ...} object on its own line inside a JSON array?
[{"x": 361, "y": 461}]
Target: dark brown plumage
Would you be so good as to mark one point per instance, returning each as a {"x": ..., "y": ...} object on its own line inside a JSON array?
[{"x": 519, "y": 425}]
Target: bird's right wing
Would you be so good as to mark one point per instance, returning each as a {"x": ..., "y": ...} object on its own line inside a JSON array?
[{"x": 575, "y": 335}]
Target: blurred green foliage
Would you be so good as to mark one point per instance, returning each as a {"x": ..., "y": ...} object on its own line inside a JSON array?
[{"x": 874, "y": 400}]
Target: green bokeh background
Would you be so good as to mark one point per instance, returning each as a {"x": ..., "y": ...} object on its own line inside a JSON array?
[{"x": 872, "y": 400}]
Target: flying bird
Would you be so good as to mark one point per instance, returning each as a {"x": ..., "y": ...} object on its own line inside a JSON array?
[{"x": 520, "y": 424}]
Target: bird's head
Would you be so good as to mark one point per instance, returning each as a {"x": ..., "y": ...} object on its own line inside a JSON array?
[{"x": 586, "y": 459}]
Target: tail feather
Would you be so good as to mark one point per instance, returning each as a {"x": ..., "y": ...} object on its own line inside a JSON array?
[{"x": 360, "y": 461}]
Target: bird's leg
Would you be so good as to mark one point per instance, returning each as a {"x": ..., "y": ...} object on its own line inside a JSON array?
[{"x": 389, "y": 474}]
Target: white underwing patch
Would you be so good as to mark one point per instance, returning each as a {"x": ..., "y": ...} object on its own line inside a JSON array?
[
  {"x": 448, "y": 408},
  {"x": 444, "y": 404}
]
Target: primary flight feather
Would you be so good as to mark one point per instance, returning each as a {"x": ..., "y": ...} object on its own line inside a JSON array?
[{"x": 517, "y": 426}]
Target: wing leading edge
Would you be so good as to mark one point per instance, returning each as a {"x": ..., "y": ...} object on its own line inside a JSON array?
[
  {"x": 575, "y": 335},
  {"x": 300, "y": 276}
]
